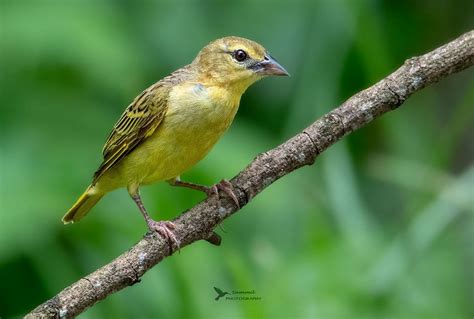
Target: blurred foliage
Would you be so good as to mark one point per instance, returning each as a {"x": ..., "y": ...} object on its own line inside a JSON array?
[{"x": 380, "y": 227}]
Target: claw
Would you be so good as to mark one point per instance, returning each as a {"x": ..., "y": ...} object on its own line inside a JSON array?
[
  {"x": 212, "y": 191},
  {"x": 165, "y": 229},
  {"x": 225, "y": 186}
]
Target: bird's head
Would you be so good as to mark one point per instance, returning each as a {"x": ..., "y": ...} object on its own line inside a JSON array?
[{"x": 235, "y": 63}]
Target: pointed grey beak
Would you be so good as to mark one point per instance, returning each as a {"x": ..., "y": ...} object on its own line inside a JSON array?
[{"x": 269, "y": 66}]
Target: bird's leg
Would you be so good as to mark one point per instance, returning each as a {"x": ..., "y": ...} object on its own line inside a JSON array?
[
  {"x": 224, "y": 185},
  {"x": 164, "y": 228}
]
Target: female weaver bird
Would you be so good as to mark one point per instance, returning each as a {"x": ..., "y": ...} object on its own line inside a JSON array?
[{"x": 174, "y": 123}]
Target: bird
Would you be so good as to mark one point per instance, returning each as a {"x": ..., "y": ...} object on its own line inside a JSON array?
[
  {"x": 220, "y": 293},
  {"x": 174, "y": 123}
]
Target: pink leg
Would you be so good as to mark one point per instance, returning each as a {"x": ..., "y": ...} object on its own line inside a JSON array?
[
  {"x": 223, "y": 185},
  {"x": 164, "y": 228}
]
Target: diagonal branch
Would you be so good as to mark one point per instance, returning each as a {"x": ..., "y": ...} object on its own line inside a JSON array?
[{"x": 198, "y": 223}]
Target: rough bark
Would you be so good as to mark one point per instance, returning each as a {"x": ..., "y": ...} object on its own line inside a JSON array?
[{"x": 198, "y": 223}]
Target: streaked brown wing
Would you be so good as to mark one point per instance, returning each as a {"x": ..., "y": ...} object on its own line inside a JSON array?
[{"x": 140, "y": 120}]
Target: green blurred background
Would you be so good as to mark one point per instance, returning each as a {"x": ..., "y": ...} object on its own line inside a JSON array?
[{"x": 380, "y": 227}]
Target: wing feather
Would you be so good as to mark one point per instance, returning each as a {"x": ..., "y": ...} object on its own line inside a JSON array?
[{"x": 140, "y": 120}]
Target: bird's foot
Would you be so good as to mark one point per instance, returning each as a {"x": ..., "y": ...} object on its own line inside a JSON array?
[
  {"x": 211, "y": 191},
  {"x": 225, "y": 186},
  {"x": 165, "y": 229}
]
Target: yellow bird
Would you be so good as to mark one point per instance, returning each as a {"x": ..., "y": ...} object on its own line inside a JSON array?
[{"x": 174, "y": 123}]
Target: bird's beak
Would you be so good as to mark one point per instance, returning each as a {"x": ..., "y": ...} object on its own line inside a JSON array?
[{"x": 269, "y": 66}]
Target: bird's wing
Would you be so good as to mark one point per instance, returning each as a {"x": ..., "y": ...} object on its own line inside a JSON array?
[
  {"x": 218, "y": 290},
  {"x": 139, "y": 121}
]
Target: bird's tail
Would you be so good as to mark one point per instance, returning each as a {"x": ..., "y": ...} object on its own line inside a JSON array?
[{"x": 82, "y": 206}]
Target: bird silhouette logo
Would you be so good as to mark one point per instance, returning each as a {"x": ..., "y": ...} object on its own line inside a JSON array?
[{"x": 220, "y": 293}]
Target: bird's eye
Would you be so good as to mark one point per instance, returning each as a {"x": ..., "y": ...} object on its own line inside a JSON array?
[{"x": 240, "y": 55}]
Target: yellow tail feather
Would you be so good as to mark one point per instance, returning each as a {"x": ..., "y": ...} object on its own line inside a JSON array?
[{"x": 82, "y": 206}]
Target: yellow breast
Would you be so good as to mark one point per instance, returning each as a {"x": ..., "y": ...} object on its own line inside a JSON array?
[{"x": 197, "y": 117}]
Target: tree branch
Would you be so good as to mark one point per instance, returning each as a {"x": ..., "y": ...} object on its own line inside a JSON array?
[{"x": 198, "y": 223}]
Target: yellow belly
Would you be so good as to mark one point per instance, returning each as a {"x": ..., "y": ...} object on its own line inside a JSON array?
[{"x": 196, "y": 119}]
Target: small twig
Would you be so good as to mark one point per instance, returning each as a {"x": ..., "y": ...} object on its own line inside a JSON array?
[{"x": 214, "y": 239}]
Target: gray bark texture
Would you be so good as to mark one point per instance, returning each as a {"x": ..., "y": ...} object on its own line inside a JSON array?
[{"x": 199, "y": 222}]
